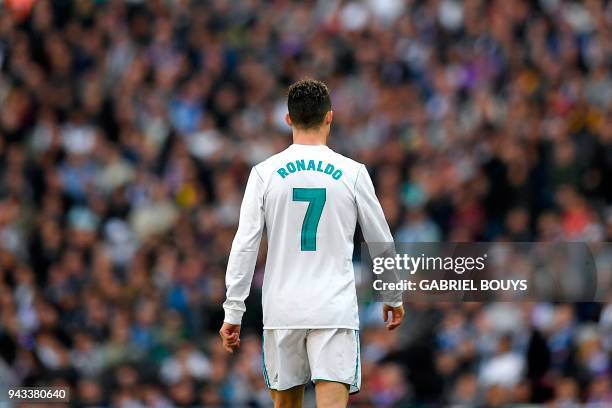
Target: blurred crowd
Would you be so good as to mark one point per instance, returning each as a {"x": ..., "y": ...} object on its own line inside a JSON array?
[{"x": 127, "y": 131}]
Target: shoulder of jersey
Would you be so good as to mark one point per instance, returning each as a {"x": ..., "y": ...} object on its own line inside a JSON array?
[
  {"x": 350, "y": 162},
  {"x": 266, "y": 167}
]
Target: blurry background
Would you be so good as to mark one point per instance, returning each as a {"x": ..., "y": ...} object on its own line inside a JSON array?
[{"x": 127, "y": 131}]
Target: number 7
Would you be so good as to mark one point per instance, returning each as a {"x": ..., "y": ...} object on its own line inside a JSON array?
[{"x": 316, "y": 201}]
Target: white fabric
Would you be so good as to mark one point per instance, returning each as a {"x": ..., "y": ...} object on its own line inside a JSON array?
[
  {"x": 303, "y": 289},
  {"x": 296, "y": 356}
]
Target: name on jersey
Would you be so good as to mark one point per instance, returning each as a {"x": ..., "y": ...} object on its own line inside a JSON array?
[{"x": 309, "y": 165}]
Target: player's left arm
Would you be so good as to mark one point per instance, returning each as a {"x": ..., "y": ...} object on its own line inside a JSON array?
[
  {"x": 376, "y": 230},
  {"x": 242, "y": 259}
]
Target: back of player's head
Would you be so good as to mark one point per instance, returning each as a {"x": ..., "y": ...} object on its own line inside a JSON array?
[{"x": 308, "y": 102}]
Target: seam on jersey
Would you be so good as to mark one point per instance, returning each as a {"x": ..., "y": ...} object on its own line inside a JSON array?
[
  {"x": 258, "y": 175},
  {"x": 357, "y": 178},
  {"x": 263, "y": 194}
]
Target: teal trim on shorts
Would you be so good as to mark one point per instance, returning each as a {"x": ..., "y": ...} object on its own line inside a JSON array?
[
  {"x": 356, "y": 359},
  {"x": 263, "y": 361}
]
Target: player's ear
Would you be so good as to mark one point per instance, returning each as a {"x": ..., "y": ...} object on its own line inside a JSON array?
[
  {"x": 288, "y": 119},
  {"x": 329, "y": 116}
]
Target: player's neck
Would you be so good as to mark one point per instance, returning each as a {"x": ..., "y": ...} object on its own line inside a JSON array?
[{"x": 313, "y": 137}]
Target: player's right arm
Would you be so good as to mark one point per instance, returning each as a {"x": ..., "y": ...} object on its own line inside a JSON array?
[
  {"x": 375, "y": 229},
  {"x": 242, "y": 259}
]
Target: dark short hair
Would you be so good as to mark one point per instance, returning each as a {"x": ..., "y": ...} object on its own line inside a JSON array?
[{"x": 308, "y": 101}]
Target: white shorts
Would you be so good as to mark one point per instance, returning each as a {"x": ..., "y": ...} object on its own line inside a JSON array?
[{"x": 292, "y": 357}]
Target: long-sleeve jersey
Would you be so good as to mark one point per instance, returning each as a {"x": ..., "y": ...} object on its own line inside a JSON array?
[{"x": 309, "y": 198}]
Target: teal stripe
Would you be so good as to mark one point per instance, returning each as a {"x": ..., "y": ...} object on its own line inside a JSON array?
[
  {"x": 356, "y": 358},
  {"x": 263, "y": 361}
]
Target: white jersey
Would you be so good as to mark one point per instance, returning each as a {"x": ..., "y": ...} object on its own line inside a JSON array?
[{"x": 309, "y": 198}]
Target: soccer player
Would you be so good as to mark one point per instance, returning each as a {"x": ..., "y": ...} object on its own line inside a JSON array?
[{"x": 309, "y": 198}]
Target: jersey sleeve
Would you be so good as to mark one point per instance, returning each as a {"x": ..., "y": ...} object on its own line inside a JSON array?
[
  {"x": 373, "y": 223},
  {"x": 371, "y": 217},
  {"x": 245, "y": 247}
]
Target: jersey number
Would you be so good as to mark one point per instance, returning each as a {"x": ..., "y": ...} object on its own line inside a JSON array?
[{"x": 316, "y": 201}]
